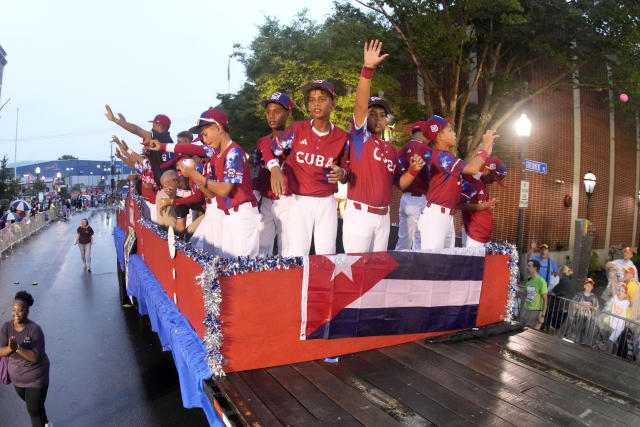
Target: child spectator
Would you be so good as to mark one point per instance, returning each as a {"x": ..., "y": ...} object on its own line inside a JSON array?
[{"x": 583, "y": 314}]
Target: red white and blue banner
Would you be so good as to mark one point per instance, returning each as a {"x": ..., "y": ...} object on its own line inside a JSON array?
[{"x": 390, "y": 293}]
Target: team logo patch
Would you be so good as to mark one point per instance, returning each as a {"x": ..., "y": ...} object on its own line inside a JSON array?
[
  {"x": 275, "y": 96},
  {"x": 434, "y": 128},
  {"x": 231, "y": 173}
]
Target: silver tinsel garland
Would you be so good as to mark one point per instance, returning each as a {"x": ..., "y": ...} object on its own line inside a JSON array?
[{"x": 506, "y": 248}]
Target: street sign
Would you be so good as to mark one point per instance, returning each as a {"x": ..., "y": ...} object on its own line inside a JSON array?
[
  {"x": 524, "y": 194},
  {"x": 533, "y": 166}
]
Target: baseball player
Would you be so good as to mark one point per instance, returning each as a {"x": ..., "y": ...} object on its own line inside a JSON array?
[
  {"x": 232, "y": 227},
  {"x": 476, "y": 205},
  {"x": 444, "y": 171},
  {"x": 273, "y": 208},
  {"x": 316, "y": 154},
  {"x": 159, "y": 131},
  {"x": 413, "y": 199},
  {"x": 142, "y": 165},
  {"x": 372, "y": 163}
]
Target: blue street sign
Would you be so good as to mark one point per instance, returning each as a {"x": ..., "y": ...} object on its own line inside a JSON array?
[{"x": 539, "y": 167}]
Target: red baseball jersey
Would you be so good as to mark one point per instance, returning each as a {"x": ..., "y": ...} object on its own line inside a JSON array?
[
  {"x": 372, "y": 163},
  {"x": 478, "y": 224},
  {"x": 445, "y": 177},
  {"x": 308, "y": 156},
  {"x": 263, "y": 181},
  {"x": 232, "y": 166},
  {"x": 147, "y": 177},
  {"x": 420, "y": 184}
]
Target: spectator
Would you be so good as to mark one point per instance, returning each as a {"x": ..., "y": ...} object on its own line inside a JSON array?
[
  {"x": 618, "y": 305},
  {"x": 22, "y": 341},
  {"x": 84, "y": 242},
  {"x": 619, "y": 264},
  {"x": 558, "y": 307},
  {"x": 185, "y": 137},
  {"x": 582, "y": 315},
  {"x": 168, "y": 214},
  {"x": 535, "y": 304},
  {"x": 548, "y": 268}
]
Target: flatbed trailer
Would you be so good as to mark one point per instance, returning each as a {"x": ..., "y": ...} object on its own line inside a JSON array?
[{"x": 243, "y": 356}]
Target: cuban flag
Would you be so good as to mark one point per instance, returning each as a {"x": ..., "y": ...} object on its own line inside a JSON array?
[{"x": 390, "y": 293}]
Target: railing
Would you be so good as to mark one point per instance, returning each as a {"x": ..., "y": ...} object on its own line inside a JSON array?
[
  {"x": 16, "y": 232},
  {"x": 597, "y": 328}
]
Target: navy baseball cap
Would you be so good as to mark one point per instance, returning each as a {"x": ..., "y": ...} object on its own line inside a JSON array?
[
  {"x": 210, "y": 117},
  {"x": 434, "y": 125},
  {"x": 319, "y": 84},
  {"x": 497, "y": 168},
  {"x": 279, "y": 98},
  {"x": 376, "y": 101}
]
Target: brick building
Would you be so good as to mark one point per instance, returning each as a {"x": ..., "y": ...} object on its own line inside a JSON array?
[{"x": 573, "y": 131}]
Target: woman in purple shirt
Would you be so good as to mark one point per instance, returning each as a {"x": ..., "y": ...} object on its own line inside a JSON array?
[{"x": 22, "y": 341}]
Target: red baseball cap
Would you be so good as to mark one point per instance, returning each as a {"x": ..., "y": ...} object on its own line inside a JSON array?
[
  {"x": 210, "y": 117},
  {"x": 434, "y": 125},
  {"x": 419, "y": 126},
  {"x": 198, "y": 139},
  {"x": 497, "y": 168},
  {"x": 163, "y": 120}
]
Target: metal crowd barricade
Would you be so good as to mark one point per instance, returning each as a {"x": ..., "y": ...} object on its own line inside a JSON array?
[
  {"x": 599, "y": 329},
  {"x": 16, "y": 232}
]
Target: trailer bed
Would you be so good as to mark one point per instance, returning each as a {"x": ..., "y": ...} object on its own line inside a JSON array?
[{"x": 524, "y": 378}]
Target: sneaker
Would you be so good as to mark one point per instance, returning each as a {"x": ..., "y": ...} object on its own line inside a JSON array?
[{"x": 89, "y": 269}]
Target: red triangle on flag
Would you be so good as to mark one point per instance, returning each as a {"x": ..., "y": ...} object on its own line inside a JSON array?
[{"x": 336, "y": 281}]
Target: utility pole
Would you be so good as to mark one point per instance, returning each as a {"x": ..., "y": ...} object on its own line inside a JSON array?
[{"x": 15, "y": 149}]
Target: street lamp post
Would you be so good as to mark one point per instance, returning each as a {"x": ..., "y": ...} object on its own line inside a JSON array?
[
  {"x": 523, "y": 130},
  {"x": 38, "y": 173},
  {"x": 589, "y": 185}
]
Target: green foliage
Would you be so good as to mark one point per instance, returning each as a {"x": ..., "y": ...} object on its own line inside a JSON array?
[
  {"x": 9, "y": 187},
  {"x": 77, "y": 188},
  {"x": 285, "y": 57},
  {"x": 67, "y": 157},
  {"x": 594, "y": 263}
]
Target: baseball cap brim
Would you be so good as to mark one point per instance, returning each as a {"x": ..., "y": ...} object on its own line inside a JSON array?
[
  {"x": 381, "y": 103},
  {"x": 198, "y": 139},
  {"x": 544, "y": 245},
  {"x": 315, "y": 85},
  {"x": 266, "y": 102}
]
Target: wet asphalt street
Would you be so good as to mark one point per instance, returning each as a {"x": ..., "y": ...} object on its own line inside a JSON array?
[{"x": 107, "y": 366}]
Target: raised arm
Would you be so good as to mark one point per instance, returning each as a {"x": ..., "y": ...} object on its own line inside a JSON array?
[
  {"x": 129, "y": 162},
  {"x": 475, "y": 165},
  {"x": 127, "y": 151},
  {"x": 187, "y": 149},
  {"x": 372, "y": 58},
  {"x": 130, "y": 127}
]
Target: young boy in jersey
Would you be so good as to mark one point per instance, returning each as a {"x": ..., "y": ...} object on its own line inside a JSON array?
[
  {"x": 316, "y": 155},
  {"x": 476, "y": 205},
  {"x": 444, "y": 172},
  {"x": 372, "y": 163},
  {"x": 234, "y": 227},
  {"x": 413, "y": 198},
  {"x": 273, "y": 208}
]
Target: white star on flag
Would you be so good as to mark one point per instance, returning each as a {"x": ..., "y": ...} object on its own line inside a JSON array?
[{"x": 343, "y": 263}]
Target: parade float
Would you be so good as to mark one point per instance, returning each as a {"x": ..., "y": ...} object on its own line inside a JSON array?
[{"x": 219, "y": 316}]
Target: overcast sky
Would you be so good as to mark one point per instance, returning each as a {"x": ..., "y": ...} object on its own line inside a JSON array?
[{"x": 67, "y": 58}]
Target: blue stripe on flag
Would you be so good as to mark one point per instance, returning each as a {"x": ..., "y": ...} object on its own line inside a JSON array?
[
  {"x": 351, "y": 322},
  {"x": 426, "y": 266}
]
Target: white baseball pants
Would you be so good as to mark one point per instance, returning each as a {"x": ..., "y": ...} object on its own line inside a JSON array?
[
  {"x": 274, "y": 216},
  {"x": 241, "y": 231},
  {"x": 408, "y": 233},
  {"x": 208, "y": 235},
  {"x": 436, "y": 228},
  {"x": 153, "y": 212},
  {"x": 363, "y": 231},
  {"x": 468, "y": 242},
  {"x": 313, "y": 216}
]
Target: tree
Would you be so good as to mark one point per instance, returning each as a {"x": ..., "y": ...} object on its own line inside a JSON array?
[
  {"x": 67, "y": 157},
  {"x": 77, "y": 188},
  {"x": 468, "y": 49},
  {"x": 9, "y": 187},
  {"x": 286, "y": 57}
]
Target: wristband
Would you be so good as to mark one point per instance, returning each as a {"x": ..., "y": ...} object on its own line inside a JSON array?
[
  {"x": 367, "y": 72},
  {"x": 413, "y": 172},
  {"x": 272, "y": 164},
  {"x": 483, "y": 154},
  {"x": 169, "y": 148}
]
